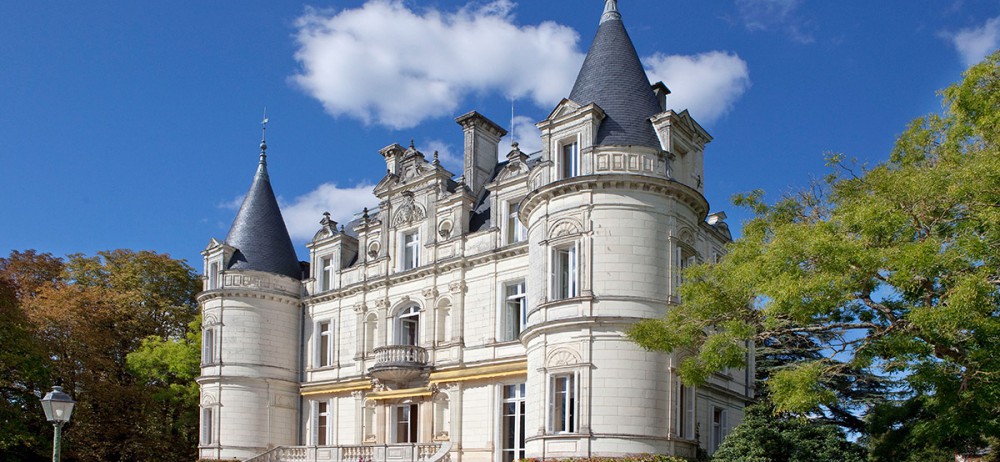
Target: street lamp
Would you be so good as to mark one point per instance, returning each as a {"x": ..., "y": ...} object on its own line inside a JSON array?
[{"x": 58, "y": 408}]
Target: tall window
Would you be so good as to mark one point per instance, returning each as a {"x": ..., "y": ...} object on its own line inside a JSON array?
[
  {"x": 562, "y": 403},
  {"x": 411, "y": 250},
  {"x": 513, "y": 422},
  {"x": 409, "y": 326},
  {"x": 322, "y": 423},
  {"x": 213, "y": 276},
  {"x": 718, "y": 427},
  {"x": 685, "y": 412},
  {"x": 516, "y": 232},
  {"x": 570, "y": 160},
  {"x": 514, "y": 311},
  {"x": 406, "y": 423},
  {"x": 208, "y": 346},
  {"x": 207, "y": 430},
  {"x": 565, "y": 283},
  {"x": 685, "y": 258},
  {"x": 326, "y": 273},
  {"x": 324, "y": 344}
]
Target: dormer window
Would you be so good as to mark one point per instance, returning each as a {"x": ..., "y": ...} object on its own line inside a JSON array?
[
  {"x": 516, "y": 232},
  {"x": 411, "y": 250},
  {"x": 569, "y": 160},
  {"x": 326, "y": 273}
]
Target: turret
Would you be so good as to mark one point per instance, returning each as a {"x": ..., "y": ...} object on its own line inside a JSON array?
[
  {"x": 604, "y": 226},
  {"x": 251, "y": 315}
]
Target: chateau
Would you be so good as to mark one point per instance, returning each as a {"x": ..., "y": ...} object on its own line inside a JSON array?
[{"x": 477, "y": 315}]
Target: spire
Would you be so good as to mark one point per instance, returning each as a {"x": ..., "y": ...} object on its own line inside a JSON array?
[
  {"x": 258, "y": 233},
  {"x": 613, "y": 77},
  {"x": 611, "y": 11}
]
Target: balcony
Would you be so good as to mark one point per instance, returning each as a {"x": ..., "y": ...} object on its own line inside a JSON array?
[
  {"x": 399, "y": 363},
  {"x": 422, "y": 452}
]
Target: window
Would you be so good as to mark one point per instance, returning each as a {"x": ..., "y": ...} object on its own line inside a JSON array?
[
  {"x": 206, "y": 426},
  {"x": 406, "y": 424},
  {"x": 514, "y": 311},
  {"x": 322, "y": 423},
  {"x": 516, "y": 232},
  {"x": 411, "y": 250},
  {"x": 562, "y": 403},
  {"x": 513, "y": 422},
  {"x": 684, "y": 259},
  {"x": 718, "y": 427},
  {"x": 324, "y": 344},
  {"x": 409, "y": 326},
  {"x": 213, "y": 276},
  {"x": 565, "y": 283},
  {"x": 208, "y": 346},
  {"x": 570, "y": 160},
  {"x": 326, "y": 273},
  {"x": 685, "y": 412}
]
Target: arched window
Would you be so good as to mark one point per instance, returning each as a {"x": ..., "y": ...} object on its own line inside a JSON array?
[{"x": 408, "y": 326}]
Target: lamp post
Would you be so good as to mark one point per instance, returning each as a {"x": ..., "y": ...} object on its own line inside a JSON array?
[{"x": 58, "y": 408}]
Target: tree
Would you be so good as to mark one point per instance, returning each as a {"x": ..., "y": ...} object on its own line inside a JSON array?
[
  {"x": 892, "y": 270},
  {"x": 168, "y": 369},
  {"x": 23, "y": 364},
  {"x": 764, "y": 437},
  {"x": 88, "y": 319}
]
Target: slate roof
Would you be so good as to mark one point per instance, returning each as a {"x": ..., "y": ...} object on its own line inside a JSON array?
[
  {"x": 613, "y": 77},
  {"x": 259, "y": 233}
]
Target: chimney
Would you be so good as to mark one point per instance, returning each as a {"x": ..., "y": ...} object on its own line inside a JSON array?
[
  {"x": 661, "y": 91},
  {"x": 482, "y": 140}
]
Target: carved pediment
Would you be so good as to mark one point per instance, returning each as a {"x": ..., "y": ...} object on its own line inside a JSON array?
[{"x": 409, "y": 211}]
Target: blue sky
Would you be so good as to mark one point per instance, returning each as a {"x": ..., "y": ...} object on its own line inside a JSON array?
[{"x": 131, "y": 124}]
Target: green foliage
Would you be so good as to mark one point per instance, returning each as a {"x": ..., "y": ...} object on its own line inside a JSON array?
[
  {"x": 635, "y": 458},
  {"x": 891, "y": 271},
  {"x": 765, "y": 437},
  {"x": 78, "y": 320}
]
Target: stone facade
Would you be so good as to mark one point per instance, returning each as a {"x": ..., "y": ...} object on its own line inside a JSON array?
[{"x": 487, "y": 311}]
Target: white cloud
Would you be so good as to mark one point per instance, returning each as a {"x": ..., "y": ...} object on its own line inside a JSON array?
[
  {"x": 303, "y": 213},
  {"x": 708, "y": 84},
  {"x": 426, "y": 63},
  {"x": 450, "y": 161},
  {"x": 527, "y": 135},
  {"x": 763, "y": 15},
  {"x": 973, "y": 44}
]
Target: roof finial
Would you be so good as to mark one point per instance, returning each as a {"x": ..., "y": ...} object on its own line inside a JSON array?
[
  {"x": 611, "y": 11},
  {"x": 263, "y": 138}
]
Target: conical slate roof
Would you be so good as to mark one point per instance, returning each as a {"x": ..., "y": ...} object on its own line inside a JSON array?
[
  {"x": 259, "y": 233},
  {"x": 613, "y": 77}
]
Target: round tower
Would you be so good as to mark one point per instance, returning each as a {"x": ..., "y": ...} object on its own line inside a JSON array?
[
  {"x": 251, "y": 319},
  {"x": 603, "y": 231}
]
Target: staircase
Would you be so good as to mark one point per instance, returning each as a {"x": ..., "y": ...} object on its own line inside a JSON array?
[{"x": 417, "y": 452}]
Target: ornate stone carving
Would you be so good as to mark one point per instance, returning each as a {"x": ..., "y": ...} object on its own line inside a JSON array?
[
  {"x": 358, "y": 394},
  {"x": 565, "y": 227},
  {"x": 360, "y": 307},
  {"x": 563, "y": 357},
  {"x": 457, "y": 287},
  {"x": 430, "y": 293},
  {"x": 382, "y": 303},
  {"x": 328, "y": 229},
  {"x": 409, "y": 211}
]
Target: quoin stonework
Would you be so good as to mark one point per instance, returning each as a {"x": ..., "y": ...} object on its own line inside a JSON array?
[{"x": 478, "y": 315}]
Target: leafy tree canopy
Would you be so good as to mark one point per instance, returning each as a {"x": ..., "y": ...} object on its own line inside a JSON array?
[
  {"x": 78, "y": 320},
  {"x": 892, "y": 270},
  {"x": 764, "y": 437}
]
